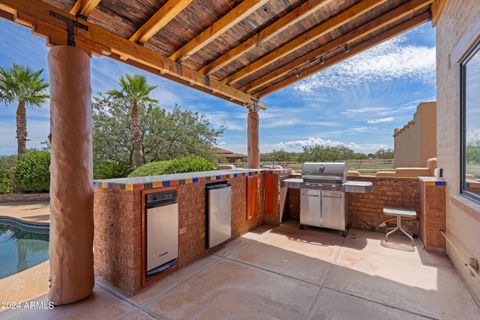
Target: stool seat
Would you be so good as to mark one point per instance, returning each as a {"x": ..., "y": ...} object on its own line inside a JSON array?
[{"x": 399, "y": 212}]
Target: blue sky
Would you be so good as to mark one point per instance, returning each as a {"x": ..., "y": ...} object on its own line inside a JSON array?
[{"x": 357, "y": 103}]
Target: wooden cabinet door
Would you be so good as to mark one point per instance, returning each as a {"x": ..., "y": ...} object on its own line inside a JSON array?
[
  {"x": 252, "y": 197},
  {"x": 270, "y": 193}
]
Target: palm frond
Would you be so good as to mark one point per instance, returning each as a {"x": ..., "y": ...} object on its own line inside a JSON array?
[
  {"x": 135, "y": 89},
  {"x": 23, "y": 84}
]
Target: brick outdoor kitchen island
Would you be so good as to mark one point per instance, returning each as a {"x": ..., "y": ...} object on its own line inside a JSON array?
[
  {"x": 258, "y": 196},
  {"x": 120, "y": 218}
]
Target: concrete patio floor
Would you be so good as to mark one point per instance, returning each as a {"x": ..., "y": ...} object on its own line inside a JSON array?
[{"x": 287, "y": 273}]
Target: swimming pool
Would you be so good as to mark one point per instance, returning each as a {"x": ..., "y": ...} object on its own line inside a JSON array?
[{"x": 21, "y": 247}]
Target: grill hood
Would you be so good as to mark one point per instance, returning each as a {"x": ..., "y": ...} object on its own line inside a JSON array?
[{"x": 324, "y": 171}]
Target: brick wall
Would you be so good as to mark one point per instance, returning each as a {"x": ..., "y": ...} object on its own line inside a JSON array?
[
  {"x": 432, "y": 220},
  {"x": 293, "y": 204},
  {"x": 118, "y": 220},
  {"x": 366, "y": 209},
  {"x": 117, "y": 237}
]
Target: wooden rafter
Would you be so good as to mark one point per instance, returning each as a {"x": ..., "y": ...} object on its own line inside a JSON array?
[
  {"x": 437, "y": 9},
  {"x": 357, "y": 33},
  {"x": 84, "y": 7},
  {"x": 266, "y": 34},
  {"x": 233, "y": 17},
  {"x": 305, "y": 38},
  {"x": 38, "y": 15},
  {"x": 384, "y": 36},
  {"x": 163, "y": 16}
]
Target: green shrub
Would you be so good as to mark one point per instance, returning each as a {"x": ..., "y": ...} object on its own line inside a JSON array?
[
  {"x": 7, "y": 162},
  {"x": 7, "y": 173},
  {"x": 7, "y": 185},
  {"x": 32, "y": 172},
  {"x": 178, "y": 165},
  {"x": 107, "y": 169}
]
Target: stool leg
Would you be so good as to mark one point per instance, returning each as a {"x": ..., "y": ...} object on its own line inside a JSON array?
[
  {"x": 392, "y": 231},
  {"x": 405, "y": 232}
]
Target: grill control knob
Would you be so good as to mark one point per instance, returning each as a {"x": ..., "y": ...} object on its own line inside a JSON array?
[{"x": 334, "y": 187}]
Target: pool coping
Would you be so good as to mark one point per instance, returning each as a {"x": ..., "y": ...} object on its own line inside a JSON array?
[{"x": 26, "y": 223}]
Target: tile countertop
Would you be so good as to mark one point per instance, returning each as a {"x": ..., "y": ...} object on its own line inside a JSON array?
[{"x": 167, "y": 180}]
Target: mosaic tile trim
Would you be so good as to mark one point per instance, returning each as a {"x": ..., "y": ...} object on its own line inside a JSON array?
[
  {"x": 172, "y": 183},
  {"x": 435, "y": 183}
]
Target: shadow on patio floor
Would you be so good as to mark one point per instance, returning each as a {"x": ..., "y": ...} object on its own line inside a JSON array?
[{"x": 286, "y": 273}]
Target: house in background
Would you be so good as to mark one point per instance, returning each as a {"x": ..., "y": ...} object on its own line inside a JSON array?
[
  {"x": 230, "y": 156},
  {"x": 416, "y": 142}
]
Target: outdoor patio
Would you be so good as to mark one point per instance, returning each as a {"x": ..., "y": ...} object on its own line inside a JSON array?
[{"x": 287, "y": 273}]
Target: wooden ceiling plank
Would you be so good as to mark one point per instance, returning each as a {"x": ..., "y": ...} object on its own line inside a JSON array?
[
  {"x": 305, "y": 38},
  {"x": 208, "y": 35},
  {"x": 384, "y": 36},
  {"x": 163, "y": 16},
  {"x": 84, "y": 7},
  {"x": 266, "y": 34},
  {"x": 357, "y": 33},
  {"x": 96, "y": 40}
]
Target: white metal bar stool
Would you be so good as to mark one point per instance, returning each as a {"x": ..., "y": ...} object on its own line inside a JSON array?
[{"x": 399, "y": 213}]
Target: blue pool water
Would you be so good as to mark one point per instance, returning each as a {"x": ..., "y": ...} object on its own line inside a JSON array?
[{"x": 21, "y": 247}]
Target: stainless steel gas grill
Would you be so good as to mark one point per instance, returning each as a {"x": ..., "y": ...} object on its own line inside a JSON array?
[{"x": 322, "y": 196}]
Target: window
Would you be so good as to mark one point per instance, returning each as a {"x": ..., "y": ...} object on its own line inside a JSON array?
[{"x": 470, "y": 124}]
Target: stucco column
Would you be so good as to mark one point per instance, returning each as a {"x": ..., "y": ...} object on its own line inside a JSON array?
[
  {"x": 71, "y": 194},
  {"x": 253, "y": 138}
]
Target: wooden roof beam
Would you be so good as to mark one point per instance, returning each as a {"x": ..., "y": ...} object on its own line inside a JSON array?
[
  {"x": 163, "y": 16},
  {"x": 384, "y": 36},
  {"x": 208, "y": 35},
  {"x": 305, "y": 38},
  {"x": 84, "y": 7},
  {"x": 94, "y": 39},
  {"x": 357, "y": 33},
  {"x": 437, "y": 9},
  {"x": 266, "y": 34}
]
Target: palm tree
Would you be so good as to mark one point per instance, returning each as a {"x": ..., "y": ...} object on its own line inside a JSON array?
[
  {"x": 135, "y": 90},
  {"x": 22, "y": 85}
]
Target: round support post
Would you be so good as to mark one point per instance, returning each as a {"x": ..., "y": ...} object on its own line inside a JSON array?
[
  {"x": 71, "y": 193},
  {"x": 253, "y": 138}
]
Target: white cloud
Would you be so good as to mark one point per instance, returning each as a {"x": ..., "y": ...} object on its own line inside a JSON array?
[
  {"x": 360, "y": 129},
  {"x": 297, "y": 145},
  {"x": 381, "y": 120},
  {"x": 289, "y": 122},
  {"x": 387, "y": 61},
  {"x": 222, "y": 118},
  {"x": 381, "y": 111},
  {"x": 473, "y": 136},
  {"x": 275, "y": 117}
]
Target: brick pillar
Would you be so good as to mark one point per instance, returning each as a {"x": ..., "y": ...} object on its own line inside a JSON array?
[
  {"x": 253, "y": 137},
  {"x": 71, "y": 194},
  {"x": 432, "y": 217}
]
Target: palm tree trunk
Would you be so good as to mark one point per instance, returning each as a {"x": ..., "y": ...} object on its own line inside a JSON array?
[
  {"x": 136, "y": 138},
  {"x": 21, "y": 128}
]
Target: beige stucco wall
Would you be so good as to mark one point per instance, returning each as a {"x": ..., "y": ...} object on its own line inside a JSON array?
[
  {"x": 415, "y": 143},
  {"x": 463, "y": 217}
]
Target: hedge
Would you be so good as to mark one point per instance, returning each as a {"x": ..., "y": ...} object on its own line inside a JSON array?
[
  {"x": 108, "y": 169},
  {"x": 178, "y": 165},
  {"x": 32, "y": 173}
]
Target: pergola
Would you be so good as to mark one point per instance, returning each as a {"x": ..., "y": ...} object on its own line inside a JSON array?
[{"x": 238, "y": 50}]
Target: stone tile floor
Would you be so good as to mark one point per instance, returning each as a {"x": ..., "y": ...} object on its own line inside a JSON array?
[{"x": 287, "y": 273}]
